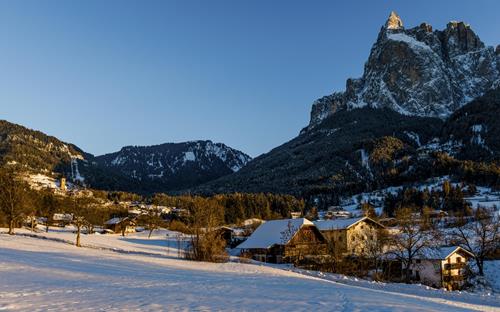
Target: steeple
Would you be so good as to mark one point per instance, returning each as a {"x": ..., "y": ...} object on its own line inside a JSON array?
[{"x": 394, "y": 21}]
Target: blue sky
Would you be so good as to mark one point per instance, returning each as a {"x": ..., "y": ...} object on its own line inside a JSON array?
[{"x": 105, "y": 74}]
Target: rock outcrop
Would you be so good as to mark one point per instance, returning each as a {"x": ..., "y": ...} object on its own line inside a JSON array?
[
  {"x": 394, "y": 21},
  {"x": 419, "y": 72}
]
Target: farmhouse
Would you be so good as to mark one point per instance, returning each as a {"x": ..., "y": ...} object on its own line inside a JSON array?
[
  {"x": 287, "y": 240},
  {"x": 444, "y": 267},
  {"x": 349, "y": 236}
]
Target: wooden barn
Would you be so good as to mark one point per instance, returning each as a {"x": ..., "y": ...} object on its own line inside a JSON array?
[
  {"x": 285, "y": 241},
  {"x": 120, "y": 225}
]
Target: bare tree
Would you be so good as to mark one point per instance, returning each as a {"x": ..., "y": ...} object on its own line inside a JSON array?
[
  {"x": 374, "y": 246},
  {"x": 49, "y": 205},
  {"x": 151, "y": 217},
  {"x": 125, "y": 223},
  {"x": 96, "y": 215},
  {"x": 286, "y": 235},
  {"x": 207, "y": 243},
  {"x": 13, "y": 197},
  {"x": 410, "y": 241},
  {"x": 480, "y": 236},
  {"x": 81, "y": 209}
]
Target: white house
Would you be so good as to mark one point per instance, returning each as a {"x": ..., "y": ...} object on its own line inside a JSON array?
[{"x": 443, "y": 267}]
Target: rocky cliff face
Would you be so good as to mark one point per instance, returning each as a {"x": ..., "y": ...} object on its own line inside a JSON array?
[{"x": 419, "y": 72}]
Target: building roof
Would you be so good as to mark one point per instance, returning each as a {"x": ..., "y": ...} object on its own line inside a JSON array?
[
  {"x": 341, "y": 224},
  {"x": 441, "y": 253},
  {"x": 275, "y": 232},
  {"x": 114, "y": 221},
  {"x": 62, "y": 217}
]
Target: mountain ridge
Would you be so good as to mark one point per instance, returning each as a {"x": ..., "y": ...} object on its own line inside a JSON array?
[
  {"x": 418, "y": 71},
  {"x": 35, "y": 152}
]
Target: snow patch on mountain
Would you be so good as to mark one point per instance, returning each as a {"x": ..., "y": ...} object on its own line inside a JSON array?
[
  {"x": 189, "y": 156},
  {"x": 412, "y": 42},
  {"x": 414, "y": 136},
  {"x": 75, "y": 172}
]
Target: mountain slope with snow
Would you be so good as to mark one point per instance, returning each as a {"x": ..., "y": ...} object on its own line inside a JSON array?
[
  {"x": 35, "y": 151},
  {"x": 418, "y": 71},
  {"x": 145, "y": 169},
  {"x": 172, "y": 166}
]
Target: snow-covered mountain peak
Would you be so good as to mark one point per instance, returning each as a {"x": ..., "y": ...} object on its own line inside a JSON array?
[
  {"x": 175, "y": 164},
  {"x": 419, "y": 72}
]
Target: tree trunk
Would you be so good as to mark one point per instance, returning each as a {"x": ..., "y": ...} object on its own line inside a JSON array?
[
  {"x": 407, "y": 272},
  {"x": 479, "y": 263},
  {"x": 150, "y": 232},
  {"x": 11, "y": 227},
  {"x": 78, "y": 228},
  {"x": 47, "y": 226}
]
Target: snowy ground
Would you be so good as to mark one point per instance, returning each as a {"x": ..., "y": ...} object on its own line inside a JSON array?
[{"x": 147, "y": 275}]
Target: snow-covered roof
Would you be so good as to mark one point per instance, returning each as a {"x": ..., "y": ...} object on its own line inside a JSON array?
[
  {"x": 440, "y": 253},
  {"x": 114, "y": 221},
  {"x": 273, "y": 233},
  {"x": 339, "y": 224},
  {"x": 251, "y": 221},
  {"x": 62, "y": 217}
]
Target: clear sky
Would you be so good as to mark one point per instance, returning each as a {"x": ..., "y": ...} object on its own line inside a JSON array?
[{"x": 105, "y": 74}]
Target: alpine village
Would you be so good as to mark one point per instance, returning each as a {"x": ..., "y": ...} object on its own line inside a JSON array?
[{"x": 394, "y": 181}]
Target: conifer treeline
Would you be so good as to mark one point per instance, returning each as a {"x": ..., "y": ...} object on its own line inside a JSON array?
[
  {"x": 449, "y": 198},
  {"x": 237, "y": 207}
]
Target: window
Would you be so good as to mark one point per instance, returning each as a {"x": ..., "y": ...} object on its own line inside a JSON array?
[
  {"x": 362, "y": 226},
  {"x": 459, "y": 260}
]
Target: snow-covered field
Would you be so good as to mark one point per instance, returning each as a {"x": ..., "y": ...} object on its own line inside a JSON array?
[{"x": 144, "y": 274}]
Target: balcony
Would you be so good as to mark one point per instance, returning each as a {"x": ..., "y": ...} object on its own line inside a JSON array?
[
  {"x": 454, "y": 266},
  {"x": 453, "y": 278}
]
